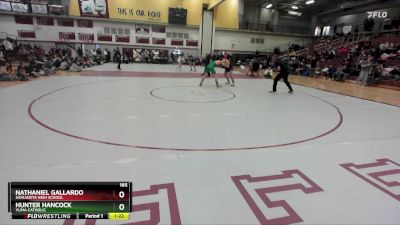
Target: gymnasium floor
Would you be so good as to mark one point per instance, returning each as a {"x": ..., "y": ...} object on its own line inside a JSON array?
[{"x": 235, "y": 155}]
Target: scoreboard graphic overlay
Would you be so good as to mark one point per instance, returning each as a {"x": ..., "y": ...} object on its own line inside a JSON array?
[{"x": 70, "y": 200}]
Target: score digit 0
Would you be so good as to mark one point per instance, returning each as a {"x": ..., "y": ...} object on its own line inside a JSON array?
[{"x": 121, "y": 194}]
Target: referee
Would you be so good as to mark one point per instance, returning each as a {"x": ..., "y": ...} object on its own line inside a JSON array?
[{"x": 282, "y": 70}]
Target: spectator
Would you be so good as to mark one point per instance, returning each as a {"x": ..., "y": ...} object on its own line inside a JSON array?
[
  {"x": 31, "y": 68},
  {"x": 21, "y": 72},
  {"x": 376, "y": 71},
  {"x": 2, "y": 59},
  {"x": 354, "y": 49},
  {"x": 293, "y": 54},
  {"x": 365, "y": 64},
  {"x": 117, "y": 56},
  {"x": 339, "y": 73},
  {"x": 173, "y": 58},
  {"x": 7, "y": 73},
  {"x": 329, "y": 72},
  {"x": 80, "y": 52},
  {"x": 125, "y": 58},
  {"x": 48, "y": 67},
  {"x": 57, "y": 61},
  {"x": 343, "y": 50},
  {"x": 331, "y": 54},
  {"x": 98, "y": 52},
  {"x": 307, "y": 71},
  {"x": 375, "y": 52},
  {"x": 268, "y": 73},
  {"x": 8, "y": 46},
  {"x": 107, "y": 55},
  {"x": 254, "y": 68},
  {"x": 64, "y": 65},
  {"x": 179, "y": 61},
  {"x": 74, "y": 67}
]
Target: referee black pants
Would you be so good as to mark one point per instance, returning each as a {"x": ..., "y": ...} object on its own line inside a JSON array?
[{"x": 285, "y": 79}]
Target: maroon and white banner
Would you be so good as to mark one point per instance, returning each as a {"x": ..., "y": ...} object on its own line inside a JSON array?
[{"x": 142, "y": 29}]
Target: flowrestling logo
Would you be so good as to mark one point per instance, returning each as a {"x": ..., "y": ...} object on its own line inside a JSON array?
[{"x": 377, "y": 14}]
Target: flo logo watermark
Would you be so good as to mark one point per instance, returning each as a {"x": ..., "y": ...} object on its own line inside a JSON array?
[{"x": 375, "y": 14}]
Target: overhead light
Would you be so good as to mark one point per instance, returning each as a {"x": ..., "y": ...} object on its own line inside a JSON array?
[
  {"x": 57, "y": 6},
  {"x": 294, "y": 7},
  {"x": 310, "y": 2},
  {"x": 269, "y": 6},
  {"x": 294, "y": 13}
]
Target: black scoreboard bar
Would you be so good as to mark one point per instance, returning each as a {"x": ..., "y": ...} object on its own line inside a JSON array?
[{"x": 69, "y": 200}]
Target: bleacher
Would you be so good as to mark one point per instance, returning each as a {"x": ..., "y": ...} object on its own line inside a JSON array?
[{"x": 321, "y": 45}]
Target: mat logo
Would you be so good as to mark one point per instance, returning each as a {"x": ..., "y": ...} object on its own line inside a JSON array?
[
  {"x": 160, "y": 201},
  {"x": 265, "y": 195},
  {"x": 157, "y": 205},
  {"x": 383, "y": 174}
]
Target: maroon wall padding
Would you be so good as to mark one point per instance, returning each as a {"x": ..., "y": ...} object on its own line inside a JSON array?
[
  {"x": 23, "y": 19},
  {"x": 158, "y": 29},
  {"x": 159, "y": 41},
  {"x": 104, "y": 37},
  {"x": 162, "y": 30},
  {"x": 142, "y": 40},
  {"x": 193, "y": 43},
  {"x": 26, "y": 34},
  {"x": 120, "y": 38},
  {"x": 66, "y": 22},
  {"x": 177, "y": 42},
  {"x": 67, "y": 36},
  {"x": 45, "y": 21},
  {"x": 86, "y": 37}
]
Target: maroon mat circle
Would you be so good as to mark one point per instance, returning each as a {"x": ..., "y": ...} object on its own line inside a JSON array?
[{"x": 43, "y": 124}]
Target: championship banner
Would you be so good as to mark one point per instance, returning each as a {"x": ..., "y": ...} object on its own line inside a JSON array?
[
  {"x": 142, "y": 29},
  {"x": 93, "y": 8}
]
